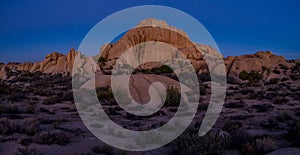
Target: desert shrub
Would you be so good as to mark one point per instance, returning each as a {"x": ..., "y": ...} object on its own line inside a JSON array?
[
  {"x": 276, "y": 71},
  {"x": 142, "y": 70},
  {"x": 102, "y": 60},
  {"x": 265, "y": 145},
  {"x": 232, "y": 125},
  {"x": 239, "y": 104},
  {"x": 285, "y": 115},
  {"x": 296, "y": 68},
  {"x": 202, "y": 107},
  {"x": 231, "y": 80},
  {"x": 54, "y": 137},
  {"x": 229, "y": 94},
  {"x": 51, "y": 100},
  {"x": 173, "y": 96},
  {"x": 67, "y": 96},
  {"x": 293, "y": 134},
  {"x": 296, "y": 72},
  {"x": 164, "y": 69},
  {"x": 204, "y": 77},
  {"x": 246, "y": 91},
  {"x": 106, "y": 149},
  {"x": 281, "y": 66},
  {"x": 262, "y": 107},
  {"x": 31, "y": 126},
  {"x": 271, "y": 123},
  {"x": 10, "y": 73},
  {"x": 274, "y": 81},
  {"x": 46, "y": 92},
  {"x": 270, "y": 95},
  {"x": 284, "y": 79},
  {"x": 27, "y": 151},
  {"x": 9, "y": 109},
  {"x": 202, "y": 90},
  {"x": 297, "y": 112},
  {"x": 214, "y": 142},
  {"x": 240, "y": 138},
  {"x": 41, "y": 84},
  {"x": 280, "y": 100},
  {"x": 252, "y": 76},
  {"x": 6, "y": 126},
  {"x": 5, "y": 88},
  {"x": 104, "y": 93},
  {"x": 16, "y": 96},
  {"x": 46, "y": 110},
  {"x": 111, "y": 111},
  {"x": 24, "y": 140},
  {"x": 36, "y": 76},
  {"x": 233, "y": 88},
  {"x": 294, "y": 77},
  {"x": 29, "y": 109}
]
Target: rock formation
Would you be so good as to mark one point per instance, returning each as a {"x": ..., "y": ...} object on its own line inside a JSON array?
[
  {"x": 253, "y": 62},
  {"x": 145, "y": 31},
  {"x": 53, "y": 63},
  {"x": 157, "y": 30}
]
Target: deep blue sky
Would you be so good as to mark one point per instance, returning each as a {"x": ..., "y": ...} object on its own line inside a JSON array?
[{"x": 31, "y": 29}]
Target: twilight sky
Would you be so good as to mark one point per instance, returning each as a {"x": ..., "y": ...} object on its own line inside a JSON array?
[{"x": 30, "y": 29}]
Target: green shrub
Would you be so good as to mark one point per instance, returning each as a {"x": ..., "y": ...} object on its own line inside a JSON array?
[
  {"x": 173, "y": 96},
  {"x": 283, "y": 67},
  {"x": 26, "y": 151},
  {"x": 284, "y": 79},
  {"x": 243, "y": 75},
  {"x": 214, "y": 142},
  {"x": 31, "y": 126},
  {"x": 54, "y": 137},
  {"x": 231, "y": 80},
  {"x": 265, "y": 145},
  {"x": 6, "y": 126},
  {"x": 5, "y": 88},
  {"x": 276, "y": 71},
  {"x": 51, "y": 100},
  {"x": 293, "y": 134},
  {"x": 280, "y": 100},
  {"x": 24, "y": 140},
  {"x": 294, "y": 77},
  {"x": 263, "y": 107},
  {"x": 29, "y": 109},
  {"x": 239, "y": 104},
  {"x": 271, "y": 123},
  {"x": 252, "y": 76},
  {"x": 17, "y": 96},
  {"x": 240, "y": 138},
  {"x": 9, "y": 109},
  {"x": 105, "y": 149},
  {"x": 104, "y": 93},
  {"x": 246, "y": 91},
  {"x": 164, "y": 69},
  {"x": 285, "y": 115},
  {"x": 67, "y": 96},
  {"x": 46, "y": 110},
  {"x": 202, "y": 90},
  {"x": 102, "y": 60},
  {"x": 274, "y": 81}
]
